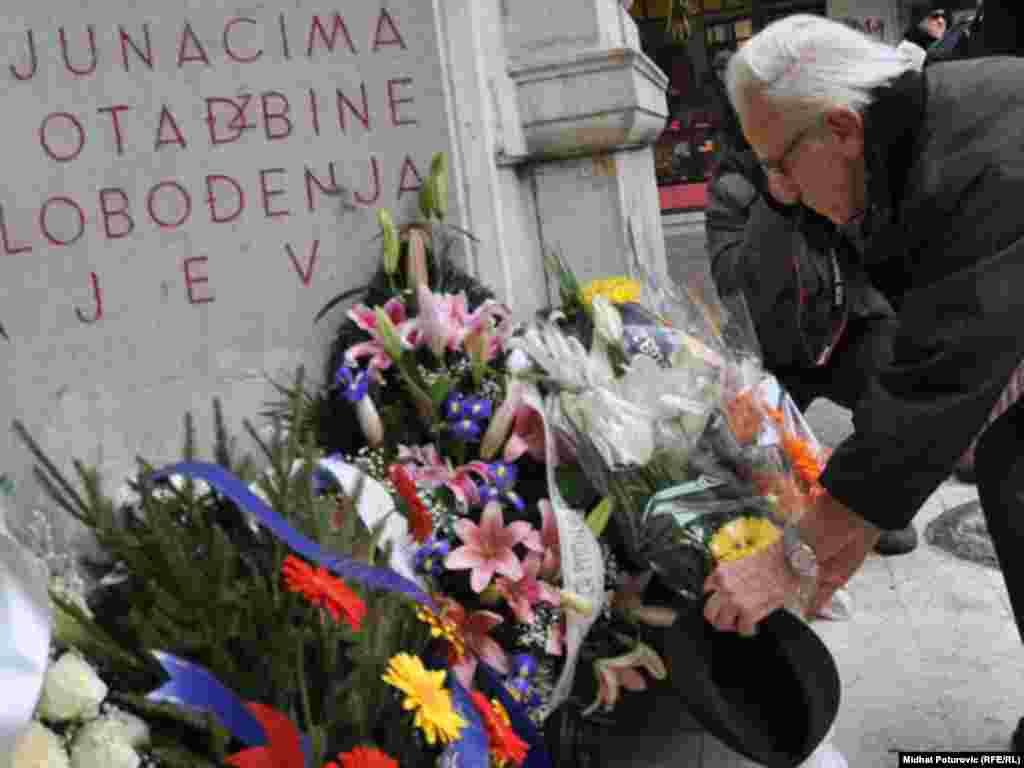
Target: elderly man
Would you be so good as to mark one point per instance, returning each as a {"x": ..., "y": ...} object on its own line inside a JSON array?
[{"x": 923, "y": 172}]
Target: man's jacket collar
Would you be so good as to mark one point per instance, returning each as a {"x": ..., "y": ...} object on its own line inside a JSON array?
[{"x": 892, "y": 124}]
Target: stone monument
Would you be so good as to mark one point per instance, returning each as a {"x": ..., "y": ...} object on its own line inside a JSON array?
[{"x": 187, "y": 184}]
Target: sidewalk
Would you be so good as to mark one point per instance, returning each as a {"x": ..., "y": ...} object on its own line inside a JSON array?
[{"x": 931, "y": 659}]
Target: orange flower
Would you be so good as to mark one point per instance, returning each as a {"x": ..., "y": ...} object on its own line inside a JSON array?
[
  {"x": 364, "y": 757},
  {"x": 744, "y": 417},
  {"x": 506, "y": 746},
  {"x": 322, "y": 589},
  {"x": 805, "y": 460},
  {"x": 421, "y": 524}
]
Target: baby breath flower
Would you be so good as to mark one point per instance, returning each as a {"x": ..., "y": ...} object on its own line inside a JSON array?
[{"x": 71, "y": 690}]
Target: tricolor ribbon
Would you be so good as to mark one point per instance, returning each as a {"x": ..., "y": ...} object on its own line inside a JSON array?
[{"x": 224, "y": 482}]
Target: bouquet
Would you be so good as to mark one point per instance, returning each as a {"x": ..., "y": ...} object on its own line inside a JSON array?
[{"x": 668, "y": 411}]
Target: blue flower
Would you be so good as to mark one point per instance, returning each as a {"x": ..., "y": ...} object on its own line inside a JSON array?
[
  {"x": 523, "y": 665},
  {"x": 466, "y": 430},
  {"x": 505, "y": 474},
  {"x": 353, "y": 383},
  {"x": 522, "y": 668},
  {"x": 430, "y": 557},
  {"x": 478, "y": 408},
  {"x": 454, "y": 407},
  {"x": 489, "y": 493},
  {"x": 466, "y": 415}
]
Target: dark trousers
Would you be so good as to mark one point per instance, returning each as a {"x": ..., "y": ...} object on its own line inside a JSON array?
[{"x": 999, "y": 466}]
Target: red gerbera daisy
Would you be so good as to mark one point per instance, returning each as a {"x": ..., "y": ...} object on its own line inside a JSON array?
[
  {"x": 421, "y": 524},
  {"x": 364, "y": 757},
  {"x": 321, "y": 588},
  {"x": 506, "y": 746}
]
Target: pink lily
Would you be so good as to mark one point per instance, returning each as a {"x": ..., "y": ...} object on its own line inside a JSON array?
[
  {"x": 475, "y": 629},
  {"x": 623, "y": 671},
  {"x": 435, "y": 472},
  {"x": 527, "y": 435},
  {"x": 366, "y": 319},
  {"x": 522, "y": 595},
  {"x": 441, "y": 320},
  {"x": 479, "y": 323},
  {"x": 552, "y": 562},
  {"x": 487, "y": 547}
]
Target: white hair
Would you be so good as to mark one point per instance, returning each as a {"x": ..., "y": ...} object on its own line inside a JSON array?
[{"x": 805, "y": 65}]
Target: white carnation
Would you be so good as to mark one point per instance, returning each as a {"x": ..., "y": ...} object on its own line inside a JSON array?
[
  {"x": 38, "y": 747},
  {"x": 105, "y": 743},
  {"x": 134, "y": 731},
  {"x": 71, "y": 691}
]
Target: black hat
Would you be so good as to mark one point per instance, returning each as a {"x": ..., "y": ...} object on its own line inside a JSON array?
[{"x": 772, "y": 697}]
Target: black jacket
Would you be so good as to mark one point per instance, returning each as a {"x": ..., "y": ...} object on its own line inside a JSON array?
[
  {"x": 946, "y": 246},
  {"x": 780, "y": 259}
]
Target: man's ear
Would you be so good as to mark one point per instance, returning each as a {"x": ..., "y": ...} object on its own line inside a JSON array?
[{"x": 847, "y": 126}]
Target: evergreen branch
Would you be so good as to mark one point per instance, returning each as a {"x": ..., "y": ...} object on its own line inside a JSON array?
[{"x": 55, "y": 474}]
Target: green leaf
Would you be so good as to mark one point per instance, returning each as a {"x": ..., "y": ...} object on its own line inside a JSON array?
[
  {"x": 439, "y": 390},
  {"x": 573, "y": 486},
  {"x": 599, "y": 516}
]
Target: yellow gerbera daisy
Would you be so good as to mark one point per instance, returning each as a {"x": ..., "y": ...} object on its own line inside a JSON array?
[
  {"x": 425, "y": 693},
  {"x": 618, "y": 290},
  {"x": 743, "y": 536}
]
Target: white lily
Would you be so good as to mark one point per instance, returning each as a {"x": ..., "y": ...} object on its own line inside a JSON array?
[{"x": 563, "y": 358}]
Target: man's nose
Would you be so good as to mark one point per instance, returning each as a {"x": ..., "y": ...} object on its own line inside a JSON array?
[{"x": 782, "y": 189}]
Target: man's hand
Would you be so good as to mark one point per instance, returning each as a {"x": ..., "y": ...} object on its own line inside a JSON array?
[
  {"x": 744, "y": 591},
  {"x": 841, "y": 540}
]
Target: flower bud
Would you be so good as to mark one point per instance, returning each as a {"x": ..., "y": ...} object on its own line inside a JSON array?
[
  {"x": 607, "y": 321},
  {"x": 416, "y": 272},
  {"x": 388, "y": 335},
  {"x": 501, "y": 423},
  {"x": 439, "y": 182},
  {"x": 387, "y": 226},
  {"x": 369, "y": 422}
]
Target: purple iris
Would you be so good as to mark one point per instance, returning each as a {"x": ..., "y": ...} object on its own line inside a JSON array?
[
  {"x": 504, "y": 475},
  {"x": 352, "y": 382},
  {"x": 523, "y": 665},
  {"x": 430, "y": 557},
  {"x": 519, "y": 683},
  {"x": 466, "y": 416}
]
